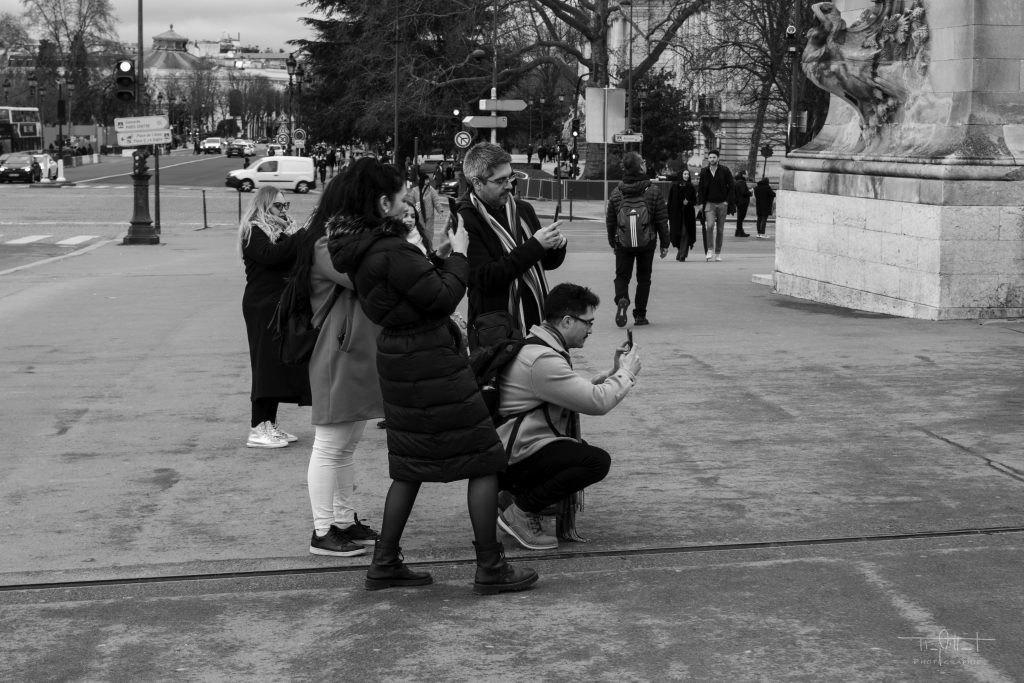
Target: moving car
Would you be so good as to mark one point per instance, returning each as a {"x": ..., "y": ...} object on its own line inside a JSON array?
[
  {"x": 210, "y": 146},
  {"x": 274, "y": 150},
  {"x": 16, "y": 166},
  {"x": 242, "y": 148},
  {"x": 285, "y": 173}
]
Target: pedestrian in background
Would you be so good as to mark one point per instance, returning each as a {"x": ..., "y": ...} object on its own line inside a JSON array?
[
  {"x": 438, "y": 428},
  {"x": 741, "y": 198},
  {"x": 714, "y": 189},
  {"x": 682, "y": 201},
  {"x": 344, "y": 386},
  {"x": 764, "y": 200},
  {"x": 266, "y": 238},
  {"x": 634, "y": 193}
]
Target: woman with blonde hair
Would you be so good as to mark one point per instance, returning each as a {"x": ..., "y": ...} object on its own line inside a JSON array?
[{"x": 266, "y": 239}]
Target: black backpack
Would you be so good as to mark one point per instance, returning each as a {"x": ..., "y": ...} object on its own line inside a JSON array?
[
  {"x": 634, "y": 229},
  {"x": 488, "y": 362}
]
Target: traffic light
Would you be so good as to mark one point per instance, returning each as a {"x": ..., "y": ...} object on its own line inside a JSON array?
[
  {"x": 455, "y": 119},
  {"x": 139, "y": 165},
  {"x": 575, "y": 128},
  {"x": 124, "y": 80}
]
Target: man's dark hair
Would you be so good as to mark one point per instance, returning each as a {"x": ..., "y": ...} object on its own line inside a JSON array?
[
  {"x": 715, "y": 152},
  {"x": 568, "y": 299},
  {"x": 633, "y": 163}
]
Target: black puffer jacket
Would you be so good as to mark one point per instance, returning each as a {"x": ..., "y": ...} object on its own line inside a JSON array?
[{"x": 438, "y": 426}]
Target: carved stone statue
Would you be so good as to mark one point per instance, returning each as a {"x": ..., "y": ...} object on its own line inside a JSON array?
[{"x": 876, "y": 64}]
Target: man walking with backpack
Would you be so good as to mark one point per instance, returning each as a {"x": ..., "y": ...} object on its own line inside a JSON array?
[{"x": 636, "y": 219}]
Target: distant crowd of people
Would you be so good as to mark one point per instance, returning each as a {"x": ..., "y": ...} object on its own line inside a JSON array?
[{"x": 383, "y": 287}]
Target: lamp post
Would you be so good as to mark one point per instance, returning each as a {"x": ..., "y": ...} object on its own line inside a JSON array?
[
  {"x": 629, "y": 73},
  {"x": 641, "y": 95},
  {"x": 60, "y": 110},
  {"x": 291, "y": 65},
  {"x": 543, "y": 101},
  {"x": 7, "y": 90},
  {"x": 529, "y": 126},
  {"x": 170, "y": 120}
]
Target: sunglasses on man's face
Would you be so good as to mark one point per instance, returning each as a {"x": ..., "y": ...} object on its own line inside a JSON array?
[{"x": 282, "y": 206}]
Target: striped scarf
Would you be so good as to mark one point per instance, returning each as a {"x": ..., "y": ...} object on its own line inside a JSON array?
[{"x": 510, "y": 238}]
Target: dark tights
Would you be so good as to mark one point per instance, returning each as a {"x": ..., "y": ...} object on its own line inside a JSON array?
[
  {"x": 264, "y": 409},
  {"x": 481, "y": 497}
]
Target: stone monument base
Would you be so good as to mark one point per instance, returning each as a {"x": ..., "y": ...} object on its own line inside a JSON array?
[{"x": 917, "y": 243}]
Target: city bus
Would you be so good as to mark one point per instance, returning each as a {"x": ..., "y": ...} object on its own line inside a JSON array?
[{"x": 21, "y": 129}]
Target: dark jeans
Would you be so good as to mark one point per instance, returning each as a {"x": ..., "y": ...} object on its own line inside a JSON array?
[
  {"x": 741, "y": 213},
  {"x": 554, "y": 472},
  {"x": 624, "y": 271},
  {"x": 762, "y": 224}
]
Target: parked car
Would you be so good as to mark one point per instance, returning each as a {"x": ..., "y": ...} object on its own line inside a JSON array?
[
  {"x": 210, "y": 146},
  {"x": 16, "y": 166},
  {"x": 285, "y": 173},
  {"x": 242, "y": 148}
]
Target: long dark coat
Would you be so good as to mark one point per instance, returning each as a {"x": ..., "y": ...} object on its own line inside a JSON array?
[
  {"x": 764, "y": 196},
  {"x": 438, "y": 426},
  {"x": 682, "y": 220},
  {"x": 267, "y": 265}
]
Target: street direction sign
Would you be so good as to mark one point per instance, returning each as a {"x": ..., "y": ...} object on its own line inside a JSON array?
[
  {"x": 502, "y": 105},
  {"x": 486, "y": 121},
  {"x": 144, "y": 137},
  {"x": 628, "y": 137},
  {"x": 463, "y": 139},
  {"x": 140, "y": 123}
]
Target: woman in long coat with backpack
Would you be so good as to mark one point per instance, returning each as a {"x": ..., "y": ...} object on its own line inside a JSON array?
[
  {"x": 268, "y": 244},
  {"x": 438, "y": 428}
]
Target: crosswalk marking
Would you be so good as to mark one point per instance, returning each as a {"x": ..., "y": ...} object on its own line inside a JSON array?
[
  {"x": 27, "y": 239},
  {"x": 78, "y": 239}
]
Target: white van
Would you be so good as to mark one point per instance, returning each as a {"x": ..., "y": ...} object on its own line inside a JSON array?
[{"x": 285, "y": 173}]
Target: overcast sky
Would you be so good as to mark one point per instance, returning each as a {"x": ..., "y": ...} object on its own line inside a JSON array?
[{"x": 267, "y": 23}]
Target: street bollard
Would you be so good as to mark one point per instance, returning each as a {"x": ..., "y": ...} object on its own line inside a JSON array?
[
  {"x": 205, "y": 224},
  {"x": 239, "y": 205}
]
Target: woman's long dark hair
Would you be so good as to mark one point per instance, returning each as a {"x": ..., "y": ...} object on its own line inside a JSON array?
[
  {"x": 352, "y": 193},
  {"x": 366, "y": 181}
]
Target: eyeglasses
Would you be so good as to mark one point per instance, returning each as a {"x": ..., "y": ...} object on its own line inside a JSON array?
[
  {"x": 503, "y": 180},
  {"x": 588, "y": 322},
  {"x": 282, "y": 206}
]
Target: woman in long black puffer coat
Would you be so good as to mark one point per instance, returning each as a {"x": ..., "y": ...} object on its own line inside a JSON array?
[{"x": 438, "y": 426}]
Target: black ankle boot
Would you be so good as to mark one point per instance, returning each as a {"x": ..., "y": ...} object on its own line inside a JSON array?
[
  {"x": 495, "y": 575},
  {"x": 388, "y": 570}
]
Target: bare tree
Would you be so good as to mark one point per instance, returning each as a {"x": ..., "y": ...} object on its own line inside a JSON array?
[{"x": 65, "y": 22}]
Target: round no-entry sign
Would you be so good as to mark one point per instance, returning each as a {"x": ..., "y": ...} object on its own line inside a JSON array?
[{"x": 463, "y": 139}]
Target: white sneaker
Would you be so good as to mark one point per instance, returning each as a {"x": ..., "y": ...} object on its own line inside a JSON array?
[
  {"x": 261, "y": 436},
  {"x": 281, "y": 434},
  {"x": 710, "y": 255},
  {"x": 718, "y": 257}
]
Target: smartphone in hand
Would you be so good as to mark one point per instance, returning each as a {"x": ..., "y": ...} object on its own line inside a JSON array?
[
  {"x": 629, "y": 338},
  {"x": 558, "y": 211}
]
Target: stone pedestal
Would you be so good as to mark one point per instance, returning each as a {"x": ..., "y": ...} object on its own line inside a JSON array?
[{"x": 920, "y": 216}]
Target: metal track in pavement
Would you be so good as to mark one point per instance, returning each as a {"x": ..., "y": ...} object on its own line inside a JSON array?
[{"x": 715, "y": 547}]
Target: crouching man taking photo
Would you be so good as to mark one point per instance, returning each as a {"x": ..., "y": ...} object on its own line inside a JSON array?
[{"x": 540, "y": 400}]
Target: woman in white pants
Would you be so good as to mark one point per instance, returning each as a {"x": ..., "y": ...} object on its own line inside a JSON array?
[{"x": 345, "y": 388}]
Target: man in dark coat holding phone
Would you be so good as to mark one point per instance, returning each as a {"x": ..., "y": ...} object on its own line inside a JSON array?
[{"x": 509, "y": 250}]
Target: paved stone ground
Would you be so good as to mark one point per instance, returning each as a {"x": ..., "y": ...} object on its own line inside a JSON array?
[{"x": 798, "y": 493}]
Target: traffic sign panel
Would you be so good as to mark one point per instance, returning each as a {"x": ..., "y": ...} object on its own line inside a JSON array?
[
  {"x": 628, "y": 137},
  {"x": 463, "y": 139},
  {"x": 502, "y": 105},
  {"x": 282, "y": 138},
  {"x": 486, "y": 121},
  {"x": 144, "y": 137},
  {"x": 298, "y": 134},
  {"x": 140, "y": 123}
]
